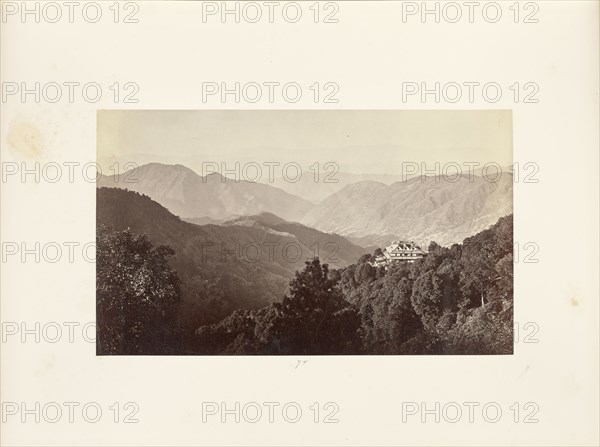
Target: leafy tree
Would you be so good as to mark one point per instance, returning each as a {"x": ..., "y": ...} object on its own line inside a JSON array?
[
  {"x": 427, "y": 298},
  {"x": 479, "y": 262},
  {"x": 481, "y": 330},
  {"x": 365, "y": 272},
  {"x": 315, "y": 318},
  {"x": 364, "y": 258},
  {"x": 449, "y": 272},
  {"x": 136, "y": 295}
]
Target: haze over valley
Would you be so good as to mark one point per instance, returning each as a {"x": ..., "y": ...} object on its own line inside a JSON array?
[{"x": 369, "y": 213}]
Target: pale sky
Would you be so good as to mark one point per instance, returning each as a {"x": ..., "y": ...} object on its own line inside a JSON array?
[{"x": 360, "y": 141}]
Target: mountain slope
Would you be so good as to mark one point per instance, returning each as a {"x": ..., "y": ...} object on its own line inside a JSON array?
[
  {"x": 419, "y": 209},
  {"x": 188, "y": 194},
  {"x": 222, "y": 267},
  {"x": 330, "y": 248},
  {"x": 317, "y": 188}
]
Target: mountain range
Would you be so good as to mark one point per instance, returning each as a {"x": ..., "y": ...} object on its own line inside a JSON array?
[
  {"x": 420, "y": 209},
  {"x": 188, "y": 194},
  {"x": 366, "y": 213},
  {"x": 316, "y": 188}
]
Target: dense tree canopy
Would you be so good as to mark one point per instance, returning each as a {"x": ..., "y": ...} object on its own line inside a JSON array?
[
  {"x": 313, "y": 319},
  {"x": 136, "y": 295},
  {"x": 456, "y": 300}
]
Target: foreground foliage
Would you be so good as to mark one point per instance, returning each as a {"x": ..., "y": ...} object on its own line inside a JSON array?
[
  {"x": 136, "y": 295},
  {"x": 458, "y": 300},
  {"x": 314, "y": 319}
]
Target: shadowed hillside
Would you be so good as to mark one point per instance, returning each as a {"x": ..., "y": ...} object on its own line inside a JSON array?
[{"x": 222, "y": 267}]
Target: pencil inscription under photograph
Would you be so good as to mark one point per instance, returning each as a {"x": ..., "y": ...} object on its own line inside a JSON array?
[{"x": 299, "y": 232}]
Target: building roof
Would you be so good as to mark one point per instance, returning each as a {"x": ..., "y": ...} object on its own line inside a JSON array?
[{"x": 403, "y": 247}]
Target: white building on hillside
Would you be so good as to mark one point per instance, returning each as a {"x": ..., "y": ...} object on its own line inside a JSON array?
[{"x": 399, "y": 251}]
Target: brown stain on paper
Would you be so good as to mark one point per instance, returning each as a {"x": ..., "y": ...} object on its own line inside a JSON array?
[{"x": 25, "y": 139}]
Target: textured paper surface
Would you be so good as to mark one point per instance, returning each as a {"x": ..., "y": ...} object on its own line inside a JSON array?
[{"x": 369, "y": 53}]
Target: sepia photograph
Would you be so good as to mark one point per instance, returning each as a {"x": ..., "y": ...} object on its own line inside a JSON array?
[
  {"x": 316, "y": 223},
  {"x": 304, "y": 232}
]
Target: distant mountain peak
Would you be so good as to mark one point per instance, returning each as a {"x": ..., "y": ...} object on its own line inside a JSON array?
[
  {"x": 218, "y": 177},
  {"x": 189, "y": 195}
]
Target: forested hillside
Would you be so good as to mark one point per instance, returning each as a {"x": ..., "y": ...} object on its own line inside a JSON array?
[
  {"x": 215, "y": 280},
  {"x": 159, "y": 290},
  {"x": 458, "y": 300},
  {"x": 246, "y": 264}
]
